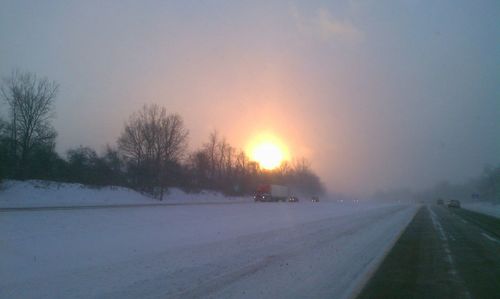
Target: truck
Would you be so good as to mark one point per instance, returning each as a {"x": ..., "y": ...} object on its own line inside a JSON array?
[{"x": 268, "y": 192}]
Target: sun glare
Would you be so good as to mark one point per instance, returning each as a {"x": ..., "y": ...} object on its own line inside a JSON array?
[
  {"x": 268, "y": 152},
  {"x": 268, "y": 155}
]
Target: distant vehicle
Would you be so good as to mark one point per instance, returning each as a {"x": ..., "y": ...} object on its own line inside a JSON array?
[
  {"x": 440, "y": 201},
  {"x": 315, "y": 199},
  {"x": 454, "y": 204},
  {"x": 269, "y": 192},
  {"x": 293, "y": 199}
]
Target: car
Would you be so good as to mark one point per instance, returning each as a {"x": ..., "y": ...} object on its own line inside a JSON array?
[
  {"x": 454, "y": 203},
  {"x": 440, "y": 202},
  {"x": 293, "y": 199},
  {"x": 315, "y": 199}
]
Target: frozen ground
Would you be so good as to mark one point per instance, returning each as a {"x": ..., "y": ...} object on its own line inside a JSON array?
[
  {"x": 255, "y": 250},
  {"x": 36, "y": 193},
  {"x": 484, "y": 207}
]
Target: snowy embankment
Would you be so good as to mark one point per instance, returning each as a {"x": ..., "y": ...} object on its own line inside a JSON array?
[
  {"x": 483, "y": 207},
  {"x": 259, "y": 250},
  {"x": 36, "y": 193}
]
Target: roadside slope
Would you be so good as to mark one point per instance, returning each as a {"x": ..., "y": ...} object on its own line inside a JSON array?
[
  {"x": 37, "y": 193},
  {"x": 487, "y": 208}
]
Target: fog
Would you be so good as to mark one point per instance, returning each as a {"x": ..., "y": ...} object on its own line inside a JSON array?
[{"x": 376, "y": 94}]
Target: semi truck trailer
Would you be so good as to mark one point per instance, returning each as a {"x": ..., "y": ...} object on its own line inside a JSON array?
[{"x": 270, "y": 192}]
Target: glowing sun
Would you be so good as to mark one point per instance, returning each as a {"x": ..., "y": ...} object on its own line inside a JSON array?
[
  {"x": 268, "y": 152},
  {"x": 268, "y": 155}
]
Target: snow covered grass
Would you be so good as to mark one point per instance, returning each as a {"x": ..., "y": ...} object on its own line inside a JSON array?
[
  {"x": 264, "y": 250},
  {"x": 37, "y": 193},
  {"x": 483, "y": 207}
]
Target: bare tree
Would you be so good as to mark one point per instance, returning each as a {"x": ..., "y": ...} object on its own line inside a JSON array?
[
  {"x": 241, "y": 163},
  {"x": 152, "y": 140},
  {"x": 31, "y": 104},
  {"x": 199, "y": 166},
  {"x": 220, "y": 166},
  {"x": 211, "y": 149}
]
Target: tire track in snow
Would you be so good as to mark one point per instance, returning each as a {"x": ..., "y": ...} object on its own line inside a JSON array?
[{"x": 296, "y": 252}]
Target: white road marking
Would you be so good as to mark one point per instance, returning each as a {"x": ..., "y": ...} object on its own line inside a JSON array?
[
  {"x": 437, "y": 225},
  {"x": 490, "y": 237},
  {"x": 449, "y": 257},
  {"x": 450, "y": 260}
]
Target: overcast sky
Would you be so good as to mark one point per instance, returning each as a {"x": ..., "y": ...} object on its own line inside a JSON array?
[{"x": 376, "y": 94}]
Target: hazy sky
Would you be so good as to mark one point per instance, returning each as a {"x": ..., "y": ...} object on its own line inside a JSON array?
[{"x": 375, "y": 93}]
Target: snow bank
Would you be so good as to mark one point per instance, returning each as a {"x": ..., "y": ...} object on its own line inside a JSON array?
[
  {"x": 37, "y": 193},
  {"x": 484, "y": 207}
]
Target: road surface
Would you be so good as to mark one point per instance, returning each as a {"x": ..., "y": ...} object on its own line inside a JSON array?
[
  {"x": 443, "y": 253},
  {"x": 302, "y": 250}
]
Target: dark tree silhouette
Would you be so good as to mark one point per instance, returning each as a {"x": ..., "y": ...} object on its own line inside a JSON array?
[
  {"x": 31, "y": 103},
  {"x": 152, "y": 142}
]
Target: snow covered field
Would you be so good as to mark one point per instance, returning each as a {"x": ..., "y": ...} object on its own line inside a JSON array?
[
  {"x": 36, "y": 193},
  {"x": 248, "y": 250},
  {"x": 484, "y": 207}
]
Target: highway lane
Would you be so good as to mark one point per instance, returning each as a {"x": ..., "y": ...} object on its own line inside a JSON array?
[
  {"x": 475, "y": 244},
  {"x": 444, "y": 253}
]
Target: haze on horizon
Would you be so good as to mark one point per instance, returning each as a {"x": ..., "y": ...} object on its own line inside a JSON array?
[{"x": 376, "y": 94}]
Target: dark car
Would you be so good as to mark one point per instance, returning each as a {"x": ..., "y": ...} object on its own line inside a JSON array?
[
  {"x": 315, "y": 199},
  {"x": 454, "y": 204},
  {"x": 293, "y": 199},
  {"x": 440, "y": 201}
]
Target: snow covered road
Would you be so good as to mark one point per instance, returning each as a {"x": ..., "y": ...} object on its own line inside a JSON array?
[{"x": 271, "y": 250}]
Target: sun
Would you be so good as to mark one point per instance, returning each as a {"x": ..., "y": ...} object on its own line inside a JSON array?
[
  {"x": 268, "y": 155},
  {"x": 268, "y": 151}
]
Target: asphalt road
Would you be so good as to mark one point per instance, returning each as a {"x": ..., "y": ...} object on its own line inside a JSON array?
[{"x": 443, "y": 253}]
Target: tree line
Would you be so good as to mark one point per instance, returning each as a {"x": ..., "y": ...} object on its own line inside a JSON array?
[
  {"x": 151, "y": 154},
  {"x": 485, "y": 187}
]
